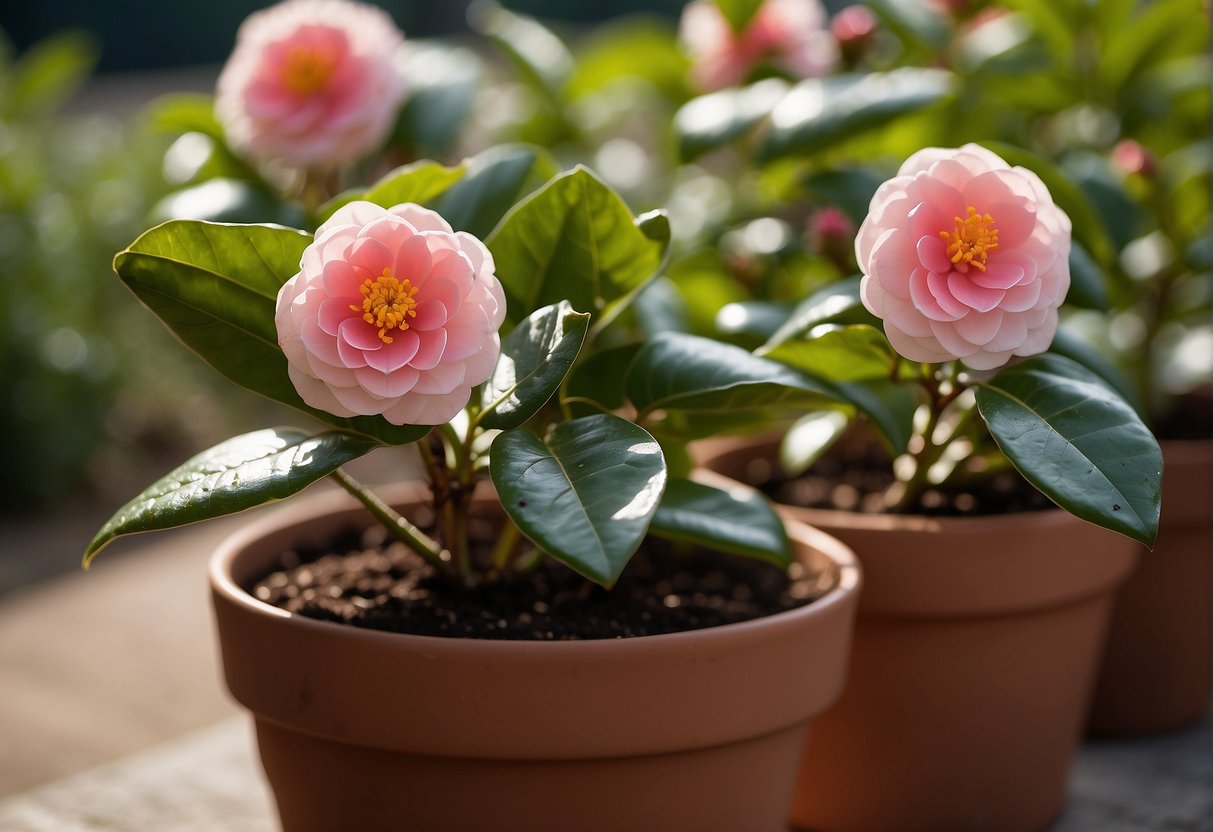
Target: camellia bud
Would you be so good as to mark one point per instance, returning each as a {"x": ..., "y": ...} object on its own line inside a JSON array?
[
  {"x": 855, "y": 30},
  {"x": 1130, "y": 157}
]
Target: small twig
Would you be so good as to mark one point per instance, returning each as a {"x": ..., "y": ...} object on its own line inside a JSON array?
[{"x": 415, "y": 538}]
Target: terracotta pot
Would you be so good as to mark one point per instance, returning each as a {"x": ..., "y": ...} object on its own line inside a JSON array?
[
  {"x": 1157, "y": 672},
  {"x": 974, "y": 656},
  {"x": 367, "y": 730}
]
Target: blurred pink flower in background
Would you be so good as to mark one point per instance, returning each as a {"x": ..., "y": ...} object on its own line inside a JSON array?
[
  {"x": 964, "y": 256},
  {"x": 789, "y": 34},
  {"x": 391, "y": 313},
  {"x": 312, "y": 83}
]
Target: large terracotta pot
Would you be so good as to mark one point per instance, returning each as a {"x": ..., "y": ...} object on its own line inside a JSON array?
[
  {"x": 366, "y": 730},
  {"x": 974, "y": 656},
  {"x": 1157, "y": 672}
]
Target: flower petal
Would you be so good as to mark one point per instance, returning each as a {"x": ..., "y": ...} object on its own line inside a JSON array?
[
  {"x": 391, "y": 357},
  {"x": 972, "y": 295}
]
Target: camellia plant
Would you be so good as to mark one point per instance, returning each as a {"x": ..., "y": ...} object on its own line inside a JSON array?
[{"x": 965, "y": 261}]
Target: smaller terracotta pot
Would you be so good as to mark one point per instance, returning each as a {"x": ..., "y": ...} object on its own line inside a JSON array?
[
  {"x": 694, "y": 732},
  {"x": 1157, "y": 672},
  {"x": 974, "y": 656}
]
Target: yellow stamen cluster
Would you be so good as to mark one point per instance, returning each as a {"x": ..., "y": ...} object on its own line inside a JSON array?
[
  {"x": 972, "y": 241},
  {"x": 307, "y": 70},
  {"x": 388, "y": 303}
]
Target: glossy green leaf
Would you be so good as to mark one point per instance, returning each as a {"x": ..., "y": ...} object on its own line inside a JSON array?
[
  {"x": 599, "y": 378},
  {"x": 630, "y": 49},
  {"x": 495, "y": 180},
  {"x": 739, "y": 521},
  {"x": 443, "y": 82},
  {"x": 753, "y": 321},
  {"x": 850, "y": 188},
  {"x": 716, "y": 119},
  {"x": 676, "y": 371},
  {"x": 1088, "y": 286},
  {"x": 540, "y": 57},
  {"x": 846, "y": 353},
  {"x": 1078, "y": 442},
  {"x": 821, "y": 112},
  {"x": 48, "y": 74},
  {"x": 420, "y": 182},
  {"x": 185, "y": 113},
  {"x": 1073, "y": 347},
  {"x": 890, "y": 405},
  {"x": 585, "y": 493},
  {"x": 808, "y": 440},
  {"x": 214, "y": 286},
  {"x": 230, "y": 201},
  {"x": 574, "y": 239},
  {"x": 835, "y": 303},
  {"x": 534, "y": 360},
  {"x": 235, "y": 475},
  {"x": 913, "y": 21}
]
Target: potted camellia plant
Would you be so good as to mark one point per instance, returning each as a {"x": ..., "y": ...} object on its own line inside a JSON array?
[
  {"x": 984, "y": 607},
  {"x": 469, "y": 650}
]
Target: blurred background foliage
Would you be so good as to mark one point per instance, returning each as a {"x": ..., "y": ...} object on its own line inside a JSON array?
[{"x": 765, "y": 183}]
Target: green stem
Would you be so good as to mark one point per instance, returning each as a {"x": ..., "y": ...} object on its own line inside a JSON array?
[
  {"x": 417, "y": 540},
  {"x": 505, "y": 546}
]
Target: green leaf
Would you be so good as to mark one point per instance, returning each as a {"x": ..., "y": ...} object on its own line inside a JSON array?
[
  {"x": 821, "y": 112},
  {"x": 1078, "y": 442},
  {"x": 230, "y": 201},
  {"x": 585, "y": 493},
  {"x": 739, "y": 521},
  {"x": 890, "y": 405},
  {"x": 809, "y": 439},
  {"x": 754, "y": 321},
  {"x": 420, "y": 182},
  {"x": 913, "y": 21},
  {"x": 185, "y": 113},
  {"x": 1088, "y": 286},
  {"x": 850, "y": 188},
  {"x": 716, "y": 119},
  {"x": 599, "y": 378},
  {"x": 495, "y": 180},
  {"x": 215, "y": 286},
  {"x": 49, "y": 73},
  {"x": 1073, "y": 347},
  {"x": 739, "y": 13},
  {"x": 443, "y": 81},
  {"x": 630, "y": 48},
  {"x": 540, "y": 57},
  {"x": 834, "y": 303},
  {"x": 534, "y": 360},
  {"x": 235, "y": 475},
  {"x": 575, "y": 239},
  {"x": 676, "y": 371},
  {"x": 850, "y": 353}
]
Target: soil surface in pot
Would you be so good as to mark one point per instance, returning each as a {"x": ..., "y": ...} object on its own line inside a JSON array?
[
  {"x": 365, "y": 580},
  {"x": 857, "y": 476}
]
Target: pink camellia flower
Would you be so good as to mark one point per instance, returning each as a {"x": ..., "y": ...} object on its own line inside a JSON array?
[
  {"x": 790, "y": 34},
  {"x": 391, "y": 313},
  {"x": 964, "y": 256},
  {"x": 311, "y": 83}
]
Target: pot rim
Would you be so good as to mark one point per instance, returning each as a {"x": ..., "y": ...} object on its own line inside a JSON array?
[{"x": 220, "y": 569}]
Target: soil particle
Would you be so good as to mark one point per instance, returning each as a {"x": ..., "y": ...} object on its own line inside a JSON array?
[{"x": 366, "y": 580}]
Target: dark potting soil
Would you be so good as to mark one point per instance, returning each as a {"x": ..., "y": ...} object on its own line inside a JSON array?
[
  {"x": 857, "y": 476},
  {"x": 365, "y": 580}
]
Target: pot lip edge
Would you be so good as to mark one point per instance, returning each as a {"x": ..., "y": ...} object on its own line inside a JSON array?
[{"x": 223, "y": 586}]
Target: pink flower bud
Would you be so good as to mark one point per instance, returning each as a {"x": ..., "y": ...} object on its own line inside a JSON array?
[
  {"x": 1130, "y": 157},
  {"x": 854, "y": 28}
]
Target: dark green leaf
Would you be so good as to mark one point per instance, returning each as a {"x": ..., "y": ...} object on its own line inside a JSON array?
[
  {"x": 420, "y": 182},
  {"x": 713, "y": 120},
  {"x": 495, "y": 180},
  {"x": 49, "y": 73},
  {"x": 753, "y": 320},
  {"x": 739, "y": 13},
  {"x": 913, "y": 21},
  {"x": 739, "y": 521},
  {"x": 534, "y": 360},
  {"x": 821, "y": 112},
  {"x": 228, "y": 200},
  {"x": 235, "y": 475},
  {"x": 1073, "y": 347},
  {"x": 849, "y": 353},
  {"x": 850, "y": 188},
  {"x": 599, "y": 378},
  {"x": 1088, "y": 288},
  {"x": 890, "y": 405},
  {"x": 540, "y": 57},
  {"x": 585, "y": 493},
  {"x": 214, "y": 286},
  {"x": 575, "y": 239},
  {"x": 628, "y": 49},
  {"x": 1078, "y": 442},
  {"x": 675, "y": 371},
  {"x": 660, "y": 307},
  {"x": 443, "y": 81},
  {"x": 835, "y": 303}
]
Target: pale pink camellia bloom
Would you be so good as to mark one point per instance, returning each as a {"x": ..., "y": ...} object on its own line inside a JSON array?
[
  {"x": 312, "y": 83},
  {"x": 964, "y": 257},
  {"x": 391, "y": 313},
  {"x": 789, "y": 34}
]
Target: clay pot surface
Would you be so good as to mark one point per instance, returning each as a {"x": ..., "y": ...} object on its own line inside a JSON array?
[
  {"x": 1157, "y": 672},
  {"x": 367, "y": 730},
  {"x": 973, "y": 662}
]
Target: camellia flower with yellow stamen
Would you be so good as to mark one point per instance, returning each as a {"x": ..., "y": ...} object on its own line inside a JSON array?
[
  {"x": 312, "y": 83},
  {"x": 964, "y": 257},
  {"x": 391, "y": 312}
]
